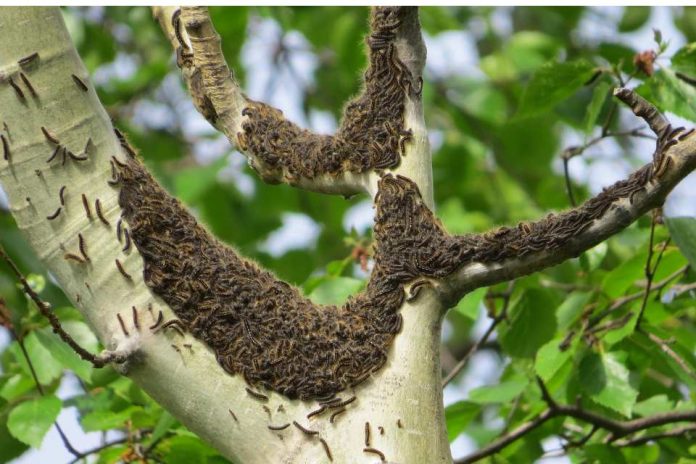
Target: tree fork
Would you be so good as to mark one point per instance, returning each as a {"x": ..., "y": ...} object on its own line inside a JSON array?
[{"x": 190, "y": 384}]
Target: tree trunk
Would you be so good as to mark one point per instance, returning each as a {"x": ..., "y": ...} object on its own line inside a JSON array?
[{"x": 404, "y": 397}]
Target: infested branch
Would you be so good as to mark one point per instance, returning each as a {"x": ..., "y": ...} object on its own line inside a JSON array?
[
  {"x": 481, "y": 260},
  {"x": 372, "y": 135}
]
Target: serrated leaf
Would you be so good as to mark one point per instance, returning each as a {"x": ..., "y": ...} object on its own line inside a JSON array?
[
  {"x": 653, "y": 405},
  {"x": 335, "y": 290},
  {"x": 470, "y": 305},
  {"x": 683, "y": 232},
  {"x": 669, "y": 93},
  {"x": 551, "y": 84},
  {"x": 532, "y": 323},
  {"x": 29, "y": 421},
  {"x": 599, "y": 96},
  {"x": 458, "y": 416},
  {"x": 605, "y": 379},
  {"x": 501, "y": 393}
]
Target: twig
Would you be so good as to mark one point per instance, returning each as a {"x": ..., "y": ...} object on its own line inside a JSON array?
[
  {"x": 664, "y": 346},
  {"x": 616, "y": 428},
  {"x": 679, "y": 431},
  {"x": 475, "y": 347},
  {"x": 649, "y": 273},
  {"x": 100, "y": 360},
  {"x": 99, "y": 448},
  {"x": 643, "y": 109},
  {"x": 620, "y": 302}
]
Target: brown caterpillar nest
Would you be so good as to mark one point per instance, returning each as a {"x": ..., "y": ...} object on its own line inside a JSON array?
[
  {"x": 265, "y": 330},
  {"x": 257, "y": 326},
  {"x": 371, "y": 134}
]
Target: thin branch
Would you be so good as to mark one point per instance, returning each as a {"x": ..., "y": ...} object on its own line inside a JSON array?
[
  {"x": 100, "y": 360},
  {"x": 508, "y": 438},
  {"x": 649, "y": 273},
  {"x": 620, "y": 302},
  {"x": 674, "y": 433},
  {"x": 664, "y": 346},
  {"x": 476, "y": 346},
  {"x": 616, "y": 428}
]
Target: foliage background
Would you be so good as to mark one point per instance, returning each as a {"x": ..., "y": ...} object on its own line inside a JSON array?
[{"x": 504, "y": 96}]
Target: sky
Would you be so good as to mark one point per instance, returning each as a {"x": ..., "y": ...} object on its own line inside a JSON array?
[{"x": 449, "y": 53}]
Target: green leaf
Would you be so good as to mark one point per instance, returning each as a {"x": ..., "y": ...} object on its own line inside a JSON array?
[
  {"x": 606, "y": 380},
  {"x": 532, "y": 323},
  {"x": 569, "y": 311},
  {"x": 653, "y": 405},
  {"x": 633, "y": 18},
  {"x": 16, "y": 386},
  {"x": 549, "y": 359},
  {"x": 614, "y": 336},
  {"x": 683, "y": 232},
  {"x": 184, "y": 449},
  {"x": 529, "y": 50},
  {"x": 621, "y": 278},
  {"x": 458, "y": 416},
  {"x": 105, "y": 420},
  {"x": 45, "y": 365},
  {"x": 685, "y": 60},
  {"x": 501, "y": 393},
  {"x": 551, "y": 84},
  {"x": 600, "y": 453},
  {"x": 669, "y": 93},
  {"x": 335, "y": 290},
  {"x": 470, "y": 305},
  {"x": 63, "y": 353},
  {"x": 10, "y": 447},
  {"x": 599, "y": 96},
  {"x": 165, "y": 423},
  {"x": 37, "y": 282},
  {"x": 30, "y": 420}
]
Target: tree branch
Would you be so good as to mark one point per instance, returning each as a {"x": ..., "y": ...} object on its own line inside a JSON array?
[
  {"x": 99, "y": 360},
  {"x": 372, "y": 135},
  {"x": 616, "y": 428},
  {"x": 501, "y": 255}
]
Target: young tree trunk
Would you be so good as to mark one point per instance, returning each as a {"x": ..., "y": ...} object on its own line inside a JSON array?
[{"x": 188, "y": 383}]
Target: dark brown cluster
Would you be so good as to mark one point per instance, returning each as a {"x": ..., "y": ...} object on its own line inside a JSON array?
[
  {"x": 372, "y": 132},
  {"x": 410, "y": 241},
  {"x": 258, "y": 326},
  {"x": 265, "y": 330}
]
